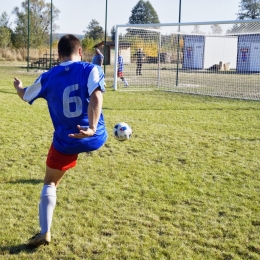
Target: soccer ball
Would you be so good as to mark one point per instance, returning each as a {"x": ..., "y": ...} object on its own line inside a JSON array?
[{"x": 122, "y": 131}]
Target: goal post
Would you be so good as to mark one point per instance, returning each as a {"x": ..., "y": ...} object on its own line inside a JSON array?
[{"x": 220, "y": 58}]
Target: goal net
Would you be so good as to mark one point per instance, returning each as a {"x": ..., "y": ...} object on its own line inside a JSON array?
[{"x": 208, "y": 58}]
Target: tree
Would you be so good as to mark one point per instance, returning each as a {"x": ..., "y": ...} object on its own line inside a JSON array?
[
  {"x": 4, "y": 20},
  {"x": 113, "y": 33},
  {"x": 249, "y": 9},
  {"x": 5, "y": 37},
  {"x": 87, "y": 44},
  {"x": 95, "y": 31},
  {"x": 143, "y": 13},
  {"x": 5, "y": 31},
  {"x": 216, "y": 29},
  {"x": 197, "y": 30},
  {"x": 40, "y": 19}
]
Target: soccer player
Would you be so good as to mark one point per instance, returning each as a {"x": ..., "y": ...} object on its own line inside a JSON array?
[
  {"x": 139, "y": 61},
  {"x": 120, "y": 70},
  {"x": 74, "y": 94},
  {"x": 98, "y": 57}
]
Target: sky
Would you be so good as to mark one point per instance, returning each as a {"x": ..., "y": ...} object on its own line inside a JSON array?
[{"x": 76, "y": 15}]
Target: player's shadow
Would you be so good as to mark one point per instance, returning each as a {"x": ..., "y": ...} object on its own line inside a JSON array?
[{"x": 16, "y": 250}]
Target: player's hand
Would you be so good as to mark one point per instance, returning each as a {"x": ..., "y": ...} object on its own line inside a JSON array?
[
  {"x": 18, "y": 83},
  {"x": 83, "y": 132}
]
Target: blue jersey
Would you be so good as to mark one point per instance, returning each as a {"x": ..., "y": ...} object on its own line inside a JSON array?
[
  {"x": 120, "y": 63},
  {"x": 97, "y": 59},
  {"x": 67, "y": 89}
]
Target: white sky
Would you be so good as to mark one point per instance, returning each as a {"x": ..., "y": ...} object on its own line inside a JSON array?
[{"x": 76, "y": 15}]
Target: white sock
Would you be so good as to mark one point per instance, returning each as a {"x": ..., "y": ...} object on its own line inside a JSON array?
[
  {"x": 46, "y": 207},
  {"x": 125, "y": 82}
]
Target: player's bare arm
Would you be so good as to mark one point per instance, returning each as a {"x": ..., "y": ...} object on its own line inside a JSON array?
[
  {"x": 94, "y": 111},
  {"x": 94, "y": 108},
  {"x": 18, "y": 85}
]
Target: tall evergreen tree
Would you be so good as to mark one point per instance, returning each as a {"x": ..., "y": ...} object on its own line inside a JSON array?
[
  {"x": 143, "y": 13},
  {"x": 249, "y": 9}
]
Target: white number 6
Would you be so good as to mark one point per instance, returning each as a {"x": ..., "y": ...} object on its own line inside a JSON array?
[{"x": 67, "y": 101}]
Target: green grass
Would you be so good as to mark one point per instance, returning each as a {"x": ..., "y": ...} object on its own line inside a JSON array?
[{"x": 186, "y": 186}]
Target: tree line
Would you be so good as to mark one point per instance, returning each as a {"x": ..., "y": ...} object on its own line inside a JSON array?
[{"x": 39, "y": 14}]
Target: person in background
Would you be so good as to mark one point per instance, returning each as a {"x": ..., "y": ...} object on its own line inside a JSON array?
[
  {"x": 120, "y": 69},
  {"x": 139, "y": 61},
  {"x": 74, "y": 94},
  {"x": 98, "y": 58}
]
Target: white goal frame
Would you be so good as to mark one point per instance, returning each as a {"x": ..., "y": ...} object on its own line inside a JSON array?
[{"x": 252, "y": 28}]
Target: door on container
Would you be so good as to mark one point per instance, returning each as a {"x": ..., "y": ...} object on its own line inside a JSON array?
[
  {"x": 198, "y": 55},
  {"x": 188, "y": 56},
  {"x": 255, "y": 56}
]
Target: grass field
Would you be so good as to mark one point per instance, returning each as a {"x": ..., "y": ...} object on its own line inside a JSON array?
[{"x": 186, "y": 186}]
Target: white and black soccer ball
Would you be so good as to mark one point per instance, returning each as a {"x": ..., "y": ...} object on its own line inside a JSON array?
[{"x": 122, "y": 131}]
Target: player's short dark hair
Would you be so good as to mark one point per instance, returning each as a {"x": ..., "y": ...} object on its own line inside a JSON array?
[{"x": 68, "y": 44}]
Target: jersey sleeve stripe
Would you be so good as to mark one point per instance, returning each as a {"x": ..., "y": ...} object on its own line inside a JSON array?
[
  {"x": 32, "y": 91},
  {"x": 95, "y": 80}
]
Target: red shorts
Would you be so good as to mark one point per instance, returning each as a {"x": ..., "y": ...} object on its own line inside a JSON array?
[
  {"x": 120, "y": 74},
  {"x": 60, "y": 161}
]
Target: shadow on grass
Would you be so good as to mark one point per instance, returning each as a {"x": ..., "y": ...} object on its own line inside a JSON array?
[
  {"x": 7, "y": 92},
  {"x": 15, "y": 250},
  {"x": 27, "y": 181}
]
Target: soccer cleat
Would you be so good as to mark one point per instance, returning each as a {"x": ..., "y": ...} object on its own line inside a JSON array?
[{"x": 40, "y": 239}]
